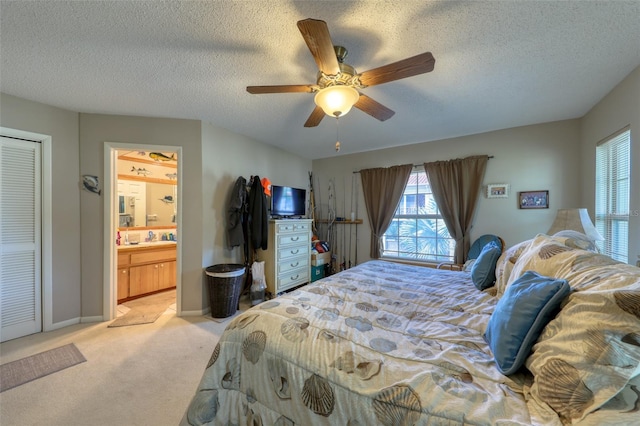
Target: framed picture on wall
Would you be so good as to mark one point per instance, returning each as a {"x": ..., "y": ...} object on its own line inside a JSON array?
[
  {"x": 533, "y": 199},
  {"x": 498, "y": 190}
]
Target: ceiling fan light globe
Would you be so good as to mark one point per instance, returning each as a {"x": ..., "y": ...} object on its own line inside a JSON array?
[{"x": 337, "y": 100}]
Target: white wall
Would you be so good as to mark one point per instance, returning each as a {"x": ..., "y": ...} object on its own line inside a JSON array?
[
  {"x": 225, "y": 157},
  {"x": 212, "y": 159},
  {"x": 620, "y": 108},
  {"x": 62, "y": 126},
  {"x": 558, "y": 156},
  {"x": 538, "y": 157},
  {"x": 95, "y": 130}
]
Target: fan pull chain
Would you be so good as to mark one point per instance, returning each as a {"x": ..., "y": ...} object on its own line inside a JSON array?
[{"x": 337, "y": 133}]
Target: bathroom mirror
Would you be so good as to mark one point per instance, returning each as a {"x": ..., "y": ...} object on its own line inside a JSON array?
[
  {"x": 147, "y": 189},
  {"x": 146, "y": 204}
]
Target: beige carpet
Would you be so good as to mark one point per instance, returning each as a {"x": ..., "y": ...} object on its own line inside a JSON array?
[
  {"x": 145, "y": 310},
  {"x": 133, "y": 376},
  {"x": 33, "y": 367}
]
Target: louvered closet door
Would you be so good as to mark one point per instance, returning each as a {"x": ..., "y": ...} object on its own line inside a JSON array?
[{"x": 20, "y": 239}]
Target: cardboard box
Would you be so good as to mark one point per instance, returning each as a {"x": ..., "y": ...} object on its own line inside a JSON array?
[{"x": 318, "y": 259}]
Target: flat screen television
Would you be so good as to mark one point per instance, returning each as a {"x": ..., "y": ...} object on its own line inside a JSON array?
[{"x": 287, "y": 201}]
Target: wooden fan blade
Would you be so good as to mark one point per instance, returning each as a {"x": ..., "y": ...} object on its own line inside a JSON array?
[
  {"x": 316, "y": 35},
  {"x": 373, "y": 108},
  {"x": 294, "y": 88},
  {"x": 409, "y": 67},
  {"x": 315, "y": 118}
]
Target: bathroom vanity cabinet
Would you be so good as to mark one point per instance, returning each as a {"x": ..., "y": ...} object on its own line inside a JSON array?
[{"x": 145, "y": 269}]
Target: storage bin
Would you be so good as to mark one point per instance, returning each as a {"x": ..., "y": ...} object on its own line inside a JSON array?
[
  {"x": 225, "y": 285},
  {"x": 317, "y": 272}
]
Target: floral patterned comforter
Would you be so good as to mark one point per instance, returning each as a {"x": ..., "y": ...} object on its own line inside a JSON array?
[{"x": 381, "y": 343}]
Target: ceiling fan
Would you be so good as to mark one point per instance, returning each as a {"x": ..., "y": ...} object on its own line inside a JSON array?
[{"x": 337, "y": 85}]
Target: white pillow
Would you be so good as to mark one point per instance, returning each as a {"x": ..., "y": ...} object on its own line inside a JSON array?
[{"x": 468, "y": 265}]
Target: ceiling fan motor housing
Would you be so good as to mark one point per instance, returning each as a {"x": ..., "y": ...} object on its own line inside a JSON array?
[
  {"x": 341, "y": 53},
  {"x": 346, "y": 77}
]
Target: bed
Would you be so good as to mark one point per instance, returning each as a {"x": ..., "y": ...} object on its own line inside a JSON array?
[{"x": 390, "y": 344}]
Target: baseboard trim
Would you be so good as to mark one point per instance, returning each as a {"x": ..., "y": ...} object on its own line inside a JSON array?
[
  {"x": 195, "y": 313},
  {"x": 62, "y": 324},
  {"x": 99, "y": 318},
  {"x": 73, "y": 321}
]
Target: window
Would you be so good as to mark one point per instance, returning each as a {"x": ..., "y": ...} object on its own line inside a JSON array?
[
  {"x": 613, "y": 173},
  {"x": 417, "y": 231}
]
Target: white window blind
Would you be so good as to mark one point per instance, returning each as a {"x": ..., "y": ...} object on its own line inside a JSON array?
[{"x": 613, "y": 174}]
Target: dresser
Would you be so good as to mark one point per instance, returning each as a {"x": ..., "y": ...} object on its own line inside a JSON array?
[{"x": 287, "y": 259}]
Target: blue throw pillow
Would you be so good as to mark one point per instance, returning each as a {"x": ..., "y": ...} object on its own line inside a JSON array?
[
  {"x": 520, "y": 316},
  {"x": 483, "y": 271}
]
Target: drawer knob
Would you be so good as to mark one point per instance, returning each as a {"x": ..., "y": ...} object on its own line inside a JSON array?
[
  {"x": 293, "y": 265},
  {"x": 295, "y": 278},
  {"x": 124, "y": 271},
  {"x": 295, "y": 252},
  {"x": 295, "y": 239}
]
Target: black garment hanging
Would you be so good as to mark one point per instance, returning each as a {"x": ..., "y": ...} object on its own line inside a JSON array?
[
  {"x": 238, "y": 205},
  {"x": 258, "y": 215}
]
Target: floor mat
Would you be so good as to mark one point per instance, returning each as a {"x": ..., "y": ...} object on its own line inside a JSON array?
[
  {"x": 33, "y": 367},
  {"x": 145, "y": 311}
]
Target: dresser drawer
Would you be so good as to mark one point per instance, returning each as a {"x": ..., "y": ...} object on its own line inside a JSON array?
[
  {"x": 295, "y": 238},
  {"x": 285, "y": 227},
  {"x": 302, "y": 226},
  {"x": 294, "y": 251},
  {"x": 292, "y": 227},
  {"x": 292, "y": 278},
  {"x": 293, "y": 263}
]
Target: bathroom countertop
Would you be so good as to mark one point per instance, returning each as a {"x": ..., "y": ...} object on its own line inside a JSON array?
[{"x": 146, "y": 245}]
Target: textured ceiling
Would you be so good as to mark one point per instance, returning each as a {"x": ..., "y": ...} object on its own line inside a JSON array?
[{"x": 499, "y": 64}]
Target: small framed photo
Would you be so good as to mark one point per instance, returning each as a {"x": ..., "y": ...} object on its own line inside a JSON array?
[
  {"x": 498, "y": 190},
  {"x": 533, "y": 199}
]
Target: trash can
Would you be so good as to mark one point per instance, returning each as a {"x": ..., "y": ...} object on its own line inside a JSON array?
[{"x": 225, "y": 286}]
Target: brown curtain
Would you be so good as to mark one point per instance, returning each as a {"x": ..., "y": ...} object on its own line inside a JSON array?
[
  {"x": 456, "y": 186},
  {"x": 382, "y": 189}
]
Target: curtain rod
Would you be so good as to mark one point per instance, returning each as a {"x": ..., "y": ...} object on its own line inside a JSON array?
[{"x": 422, "y": 165}]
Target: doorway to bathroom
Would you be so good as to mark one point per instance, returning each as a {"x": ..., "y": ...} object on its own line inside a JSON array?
[{"x": 142, "y": 225}]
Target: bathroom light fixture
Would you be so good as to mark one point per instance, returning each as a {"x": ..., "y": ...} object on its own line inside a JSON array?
[
  {"x": 336, "y": 100},
  {"x": 575, "y": 220}
]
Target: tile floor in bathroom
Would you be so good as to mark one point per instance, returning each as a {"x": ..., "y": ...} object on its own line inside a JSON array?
[{"x": 122, "y": 309}]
